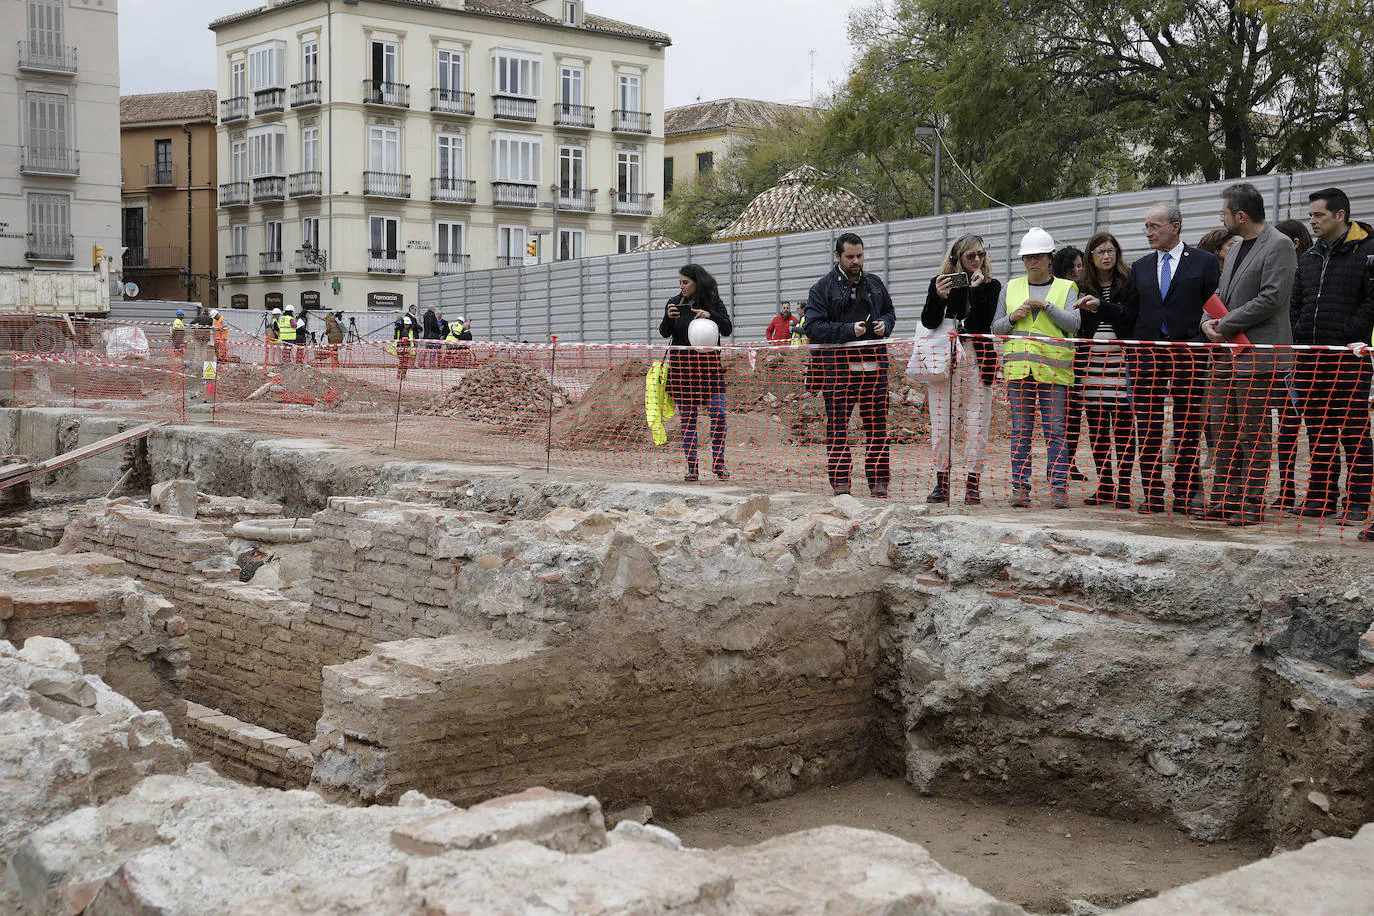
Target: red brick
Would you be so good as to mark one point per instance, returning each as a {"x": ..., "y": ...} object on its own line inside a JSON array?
[
  {"x": 1000, "y": 594},
  {"x": 1042, "y": 602},
  {"x": 1009, "y": 539},
  {"x": 6, "y": 606},
  {"x": 938, "y": 583},
  {"x": 32, "y": 610},
  {"x": 1076, "y": 608}
]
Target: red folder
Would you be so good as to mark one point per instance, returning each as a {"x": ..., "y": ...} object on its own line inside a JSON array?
[{"x": 1215, "y": 308}]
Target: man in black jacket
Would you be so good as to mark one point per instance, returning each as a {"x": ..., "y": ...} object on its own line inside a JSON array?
[
  {"x": 1333, "y": 305},
  {"x": 845, "y": 309},
  {"x": 1164, "y": 303}
]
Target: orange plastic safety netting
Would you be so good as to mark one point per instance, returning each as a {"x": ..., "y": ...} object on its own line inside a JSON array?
[{"x": 1173, "y": 434}]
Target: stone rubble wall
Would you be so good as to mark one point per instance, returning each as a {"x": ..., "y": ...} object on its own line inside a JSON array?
[
  {"x": 246, "y": 752},
  {"x": 137, "y": 641}
]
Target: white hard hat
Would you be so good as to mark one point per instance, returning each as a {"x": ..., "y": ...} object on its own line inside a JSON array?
[
  {"x": 462, "y": 319},
  {"x": 703, "y": 332},
  {"x": 276, "y": 311},
  {"x": 290, "y": 308},
  {"x": 1036, "y": 241},
  {"x": 214, "y": 313}
]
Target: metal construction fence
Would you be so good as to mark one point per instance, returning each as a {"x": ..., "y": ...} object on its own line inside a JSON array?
[
  {"x": 619, "y": 299},
  {"x": 1201, "y": 438}
]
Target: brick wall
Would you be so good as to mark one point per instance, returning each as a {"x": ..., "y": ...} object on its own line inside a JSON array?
[{"x": 247, "y": 752}]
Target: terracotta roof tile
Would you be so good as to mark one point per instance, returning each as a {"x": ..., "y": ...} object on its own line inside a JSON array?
[
  {"x": 745, "y": 114},
  {"x": 657, "y": 243},
  {"x": 194, "y": 105},
  {"x": 796, "y": 204}
]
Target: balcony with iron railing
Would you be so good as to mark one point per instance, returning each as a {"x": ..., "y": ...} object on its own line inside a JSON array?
[
  {"x": 509, "y": 194},
  {"x": 305, "y": 184},
  {"x": 50, "y": 246},
  {"x": 44, "y": 57},
  {"x": 269, "y": 101},
  {"x": 235, "y": 109},
  {"x": 269, "y": 188},
  {"x": 386, "y": 184},
  {"x": 630, "y": 122},
  {"x": 511, "y": 108},
  {"x": 381, "y": 92},
  {"x": 236, "y": 265},
  {"x": 269, "y": 263},
  {"x": 233, "y": 194},
  {"x": 632, "y": 203},
  {"x": 510, "y": 260},
  {"x": 452, "y": 101},
  {"x": 448, "y": 262},
  {"x": 305, "y": 93},
  {"x": 386, "y": 261},
  {"x": 159, "y": 176},
  {"x": 567, "y": 115},
  {"x": 49, "y": 160},
  {"x": 453, "y": 190},
  {"x": 310, "y": 260},
  {"x": 583, "y": 199},
  {"x": 157, "y": 257}
]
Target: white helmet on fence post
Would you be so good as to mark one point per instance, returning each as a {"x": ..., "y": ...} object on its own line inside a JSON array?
[
  {"x": 1036, "y": 241},
  {"x": 703, "y": 332}
]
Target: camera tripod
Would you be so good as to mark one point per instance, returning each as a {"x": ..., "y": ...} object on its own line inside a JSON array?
[{"x": 352, "y": 336}]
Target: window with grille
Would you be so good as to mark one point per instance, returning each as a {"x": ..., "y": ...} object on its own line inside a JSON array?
[
  {"x": 570, "y": 85},
  {"x": 515, "y": 73},
  {"x": 310, "y": 60},
  {"x": 510, "y": 242},
  {"x": 47, "y": 115},
  {"x": 310, "y": 232},
  {"x": 386, "y": 62},
  {"x": 629, "y": 92},
  {"x": 238, "y": 160},
  {"x": 516, "y": 157},
  {"x": 273, "y": 227},
  {"x": 310, "y": 149},
  {"x": 238, "y": 240},
  {"x": 45, "y": 29},
  {"x": 572, "y": 168},
  {"x": 238, "y": 81},
  {"x": 629, "y": 171},
  {"x": 384, "y": 235},
  {"x": 452, "y": 158}
]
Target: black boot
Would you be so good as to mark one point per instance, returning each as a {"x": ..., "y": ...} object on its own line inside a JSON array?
[
  {"x": 973, "y": 494},
  {"x": 941, "y": 492}
]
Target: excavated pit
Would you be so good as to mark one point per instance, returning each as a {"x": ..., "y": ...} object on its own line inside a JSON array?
[{"x": 468, "y": 632}]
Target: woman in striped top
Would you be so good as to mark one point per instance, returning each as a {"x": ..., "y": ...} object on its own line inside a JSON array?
[{"x": 1105, "y": 394}]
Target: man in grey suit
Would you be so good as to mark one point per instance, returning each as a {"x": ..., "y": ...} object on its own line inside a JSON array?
[{"x": 1256, "y": 282}]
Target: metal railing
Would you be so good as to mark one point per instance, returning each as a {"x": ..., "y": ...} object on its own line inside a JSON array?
[
  {"x": 453, "y": 101},
  {"x": 630, "y": 122},
  {"x": 631, "y": 203},
  {"x": 159, "y": 176},
  {"x": 453, "y": 190},
  {"x": 269, "y": 262},
  {"x": 386, "y": 261},
  {"x": 49, "y": 246},
  {"x": 236, "y": 265},
  {"x": 268, "y": 188},
  {"x": 157, "y": 257},
  {"x": 235, "y": 109},
  {"x": 305, "y": 93},
  {"x": 510, "y": 108},
  {"x": 310, "y": 260},
  {"x": 47, "y": 58},
  {"x": 381, "y": 92},
  {"x": 507, "y": 194},
  {"x": 304, "y": 184},
  {"x": 510, "y": 260},
  {"x": 568, "y": 115},
  {"x": 49, "y": 160},
  {"x": 577, "y": 199},
  {"x": 449, "y": 262},
  {"x": 233, "y": 194},
  {"x": 386, "y": 184},
  {"x": 269, "y": 101}
]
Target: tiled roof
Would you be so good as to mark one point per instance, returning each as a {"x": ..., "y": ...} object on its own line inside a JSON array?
[
  {"x": 195, "y": 105},
  {"x": 657, "y": 243},
  {"x": 501, "y": 9},
  {"x": 747, "y": 114},
  {"x": 796, "y": 204}
]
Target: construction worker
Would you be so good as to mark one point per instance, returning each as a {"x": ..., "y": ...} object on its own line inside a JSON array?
[
  {"x": 221, "y": 334},
  {"x": 404, "y": 331},
  {"x": 179, "y": 332},
  {"x": 286, "y": 332}
]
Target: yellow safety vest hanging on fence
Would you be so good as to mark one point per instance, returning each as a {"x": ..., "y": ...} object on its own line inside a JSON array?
[
  {"x": 658, "y": 406},
  {"x": 1025, "y": 356}
]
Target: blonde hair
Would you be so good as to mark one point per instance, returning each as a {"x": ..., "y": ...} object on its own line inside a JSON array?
[{"x": 961, "y": 245}]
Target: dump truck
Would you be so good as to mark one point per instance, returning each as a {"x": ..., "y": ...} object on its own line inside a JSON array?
[{"x": 46, "y": 311}]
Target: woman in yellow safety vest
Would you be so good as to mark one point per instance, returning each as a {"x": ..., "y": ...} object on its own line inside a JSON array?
[{"x": 1038, "y": 311}]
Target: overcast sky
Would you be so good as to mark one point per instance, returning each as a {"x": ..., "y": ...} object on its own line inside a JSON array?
[{"x": 746, "y": 48}]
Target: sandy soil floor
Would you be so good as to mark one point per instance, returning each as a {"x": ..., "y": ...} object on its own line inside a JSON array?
[{"x": 1040, "y": 858}]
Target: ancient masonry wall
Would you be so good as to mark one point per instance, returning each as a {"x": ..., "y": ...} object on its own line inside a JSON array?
[{"x": 247, "y": 752}]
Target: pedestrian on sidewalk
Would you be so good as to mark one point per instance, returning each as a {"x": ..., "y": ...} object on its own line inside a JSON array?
[{"x": 696, "y": 377}]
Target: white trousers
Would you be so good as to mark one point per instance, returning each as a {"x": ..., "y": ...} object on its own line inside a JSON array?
[{"x": 973, "y": 401}]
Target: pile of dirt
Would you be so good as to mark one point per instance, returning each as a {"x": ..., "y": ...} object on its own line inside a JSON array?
[
  {"x": 296, "y": 384},
  {"x": 610, "y": 414},
  {"x": 500, "y": 393},
  {"x": 776, "y": 374}
]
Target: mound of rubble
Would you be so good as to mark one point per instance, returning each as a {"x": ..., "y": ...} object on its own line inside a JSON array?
[
  {"x": 610, "y": 414},
  {"x": 503, "y": 394}
]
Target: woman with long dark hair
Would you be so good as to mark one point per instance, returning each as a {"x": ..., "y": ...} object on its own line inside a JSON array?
[
  {"x": 1105, "y": 394},
  {"x": 695, "y": 376},
  {"x": 1068, "y": 265}
]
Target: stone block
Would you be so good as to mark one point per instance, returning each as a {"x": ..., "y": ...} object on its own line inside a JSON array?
[
  {"x": 558, "y": 820},
  {"x": 175, "y": 497},
  {"x": 46, "y": 652}
]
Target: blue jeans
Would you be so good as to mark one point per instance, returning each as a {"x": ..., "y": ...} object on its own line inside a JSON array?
[
  {"x": 715, "y": 409},
  {"x": 1051, "y": 402}
]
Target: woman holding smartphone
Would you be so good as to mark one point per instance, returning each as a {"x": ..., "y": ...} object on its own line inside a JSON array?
[
  {"x": 965, "y": 295},
  {"x": 1106, "y": 402},
  {"x": 695, "y": 376}
]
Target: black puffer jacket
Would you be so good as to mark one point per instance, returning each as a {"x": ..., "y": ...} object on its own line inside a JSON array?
[
  {"x": 975, "y": 306},
  {"x": 1333, "y": 295}
]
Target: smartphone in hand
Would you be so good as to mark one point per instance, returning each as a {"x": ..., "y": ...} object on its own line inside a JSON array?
[{"x": 957, "y": 280}]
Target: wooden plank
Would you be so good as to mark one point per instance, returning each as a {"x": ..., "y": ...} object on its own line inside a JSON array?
[{"x": 67, "y": 459}]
